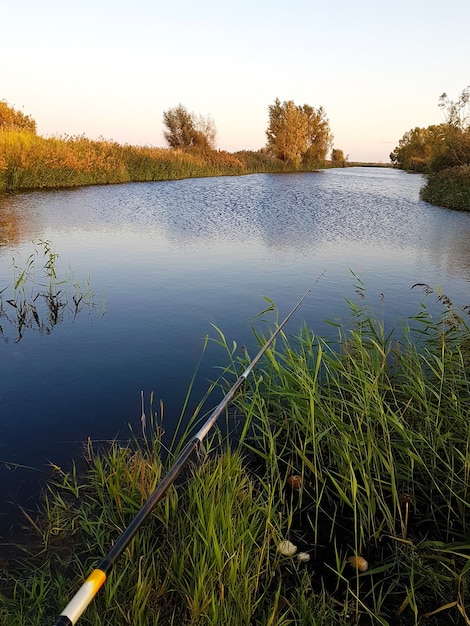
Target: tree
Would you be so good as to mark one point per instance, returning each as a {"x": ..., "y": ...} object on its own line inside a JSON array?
[
  {"x": 180, "y": 127},
  {"x": 438, "y": 147},
  {"x": 11, "y": 119},
  {"x": 337, "y": 158},
  {"x": 298, "y": 134},
  {"x": 457, "y": 113},
  {"x": 457, "y": 125},
  {"x": 432, "y": 149},
  {"x": 413, "y": 152},
  {"x": 206, "y": 132},
  {"x": 287, "y": 131},
  {"x": 185, "y": 129},
  {"x": 320, "y": 139}
]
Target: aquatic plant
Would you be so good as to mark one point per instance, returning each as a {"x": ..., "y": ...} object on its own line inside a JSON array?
[{"x": 36, "y": 298}]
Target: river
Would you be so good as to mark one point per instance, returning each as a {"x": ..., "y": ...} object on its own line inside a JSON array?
[{"x": 165, "y": 262}]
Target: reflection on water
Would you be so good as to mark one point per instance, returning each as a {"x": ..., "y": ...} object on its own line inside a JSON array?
[
  {"x": 363, "y": 207},
  {"x": 171, "y": 259},
  {"x": 15, "y": 225}
]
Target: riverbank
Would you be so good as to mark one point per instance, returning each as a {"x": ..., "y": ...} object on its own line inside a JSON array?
[
  {"x": 449, "y": 188},
  {"x": 355, "y": 451},
  {"x": 28, "y": 161}
]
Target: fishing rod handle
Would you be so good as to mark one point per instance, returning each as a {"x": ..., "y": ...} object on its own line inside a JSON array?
[
  {"x": 96, "y": 579},
  {"x": 81, "y": 599}
]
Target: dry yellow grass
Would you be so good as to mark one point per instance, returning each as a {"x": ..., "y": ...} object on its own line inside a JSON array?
[{"x": 28, "y": 161}]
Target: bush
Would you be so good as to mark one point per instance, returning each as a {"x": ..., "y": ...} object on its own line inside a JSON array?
[{"x": 449, "y": 188}]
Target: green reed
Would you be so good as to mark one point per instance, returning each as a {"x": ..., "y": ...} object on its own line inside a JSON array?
[
  {"x": 37, "y": 296},
  {"x": 377, "y": 427}
]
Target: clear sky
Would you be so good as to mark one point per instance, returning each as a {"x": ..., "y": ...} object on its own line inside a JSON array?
[{"x": 111, "y": 67}]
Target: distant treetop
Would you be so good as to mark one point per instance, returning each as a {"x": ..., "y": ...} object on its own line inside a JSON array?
[
  {"x": 438, "y": 147},
  {"x": 299, "y": 135},
  {"x": 186, "y": 130},
  {"x": 11, "y": 119}
]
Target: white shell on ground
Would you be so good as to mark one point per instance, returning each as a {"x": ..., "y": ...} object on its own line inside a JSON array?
[{"x": 286, "y": 548}]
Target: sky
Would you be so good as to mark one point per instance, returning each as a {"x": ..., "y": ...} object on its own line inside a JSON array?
[{"x": 110, "y": 68}]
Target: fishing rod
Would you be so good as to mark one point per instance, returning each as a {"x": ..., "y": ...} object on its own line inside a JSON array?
[{"x": 97, "y": 578}]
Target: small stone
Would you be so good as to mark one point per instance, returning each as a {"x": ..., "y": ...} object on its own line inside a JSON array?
[
  {"x": 286, "y": 548},
  {"x": 303, "y": 557}
]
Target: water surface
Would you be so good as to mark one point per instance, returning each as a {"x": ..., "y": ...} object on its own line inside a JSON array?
[{"x": 167, "y": 260}]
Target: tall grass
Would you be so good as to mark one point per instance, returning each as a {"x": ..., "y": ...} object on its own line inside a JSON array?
[
  {"x": 28, "y": 161},
  {"x": 379, "y": 430},
  {"x": 374, "y": 427}
]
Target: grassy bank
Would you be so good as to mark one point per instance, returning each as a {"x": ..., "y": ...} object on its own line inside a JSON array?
[
  {"x": 449, "y": 188},
  {"x": 357, "y": 451},
  {"x": 28, "y": 161}
]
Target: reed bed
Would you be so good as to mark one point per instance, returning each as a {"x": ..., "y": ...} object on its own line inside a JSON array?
[
  {"x": 356, "y": 450},
  {"x": 29, "y": 161},
  {"x": 378, "y": 431},
  {"x": 449, "y": 188}
]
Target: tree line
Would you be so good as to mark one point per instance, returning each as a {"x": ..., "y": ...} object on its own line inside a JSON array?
[
  {"x": 440, "y": 146},
  {"x": 298, "y": 136},
  {"x": 442, "y": 152}
]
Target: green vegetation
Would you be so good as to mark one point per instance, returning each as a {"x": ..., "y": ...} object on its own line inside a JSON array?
[
  {"x": 38, "y": 298},
  {"x": 449, "y": 188},
  {"x": 443, "y": 153},
  {"x": 338, "y": 159},
  {"x": 439, "y": 147},
  {"x": 357, "y": 451}
]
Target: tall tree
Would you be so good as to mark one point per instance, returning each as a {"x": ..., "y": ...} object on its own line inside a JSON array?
[
  {"x": 298, "y": 134},
  {"x": 337, "y": 158},
  {"x": 440, "y": 146},
  {"x": 457, "y": 138},
  {"x": 11, "y": 119},
  {"x": 320, "y": 139},
  {"x": 185, "y": 129},
  {"x": 287, "y": 131},
  {"x": 180, "y": 127},
  {"x": 414, "y": 150},
  {"x": 457, "y": 112}
]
